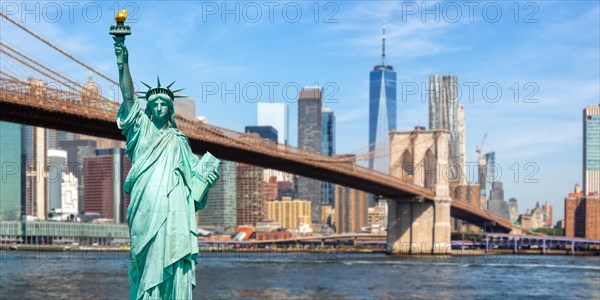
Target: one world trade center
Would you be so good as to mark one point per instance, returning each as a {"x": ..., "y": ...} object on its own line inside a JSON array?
[{"x": 382, "y": 113}]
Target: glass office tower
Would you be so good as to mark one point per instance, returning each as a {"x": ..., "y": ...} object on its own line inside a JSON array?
[
  {"x": 327, "y": 148},
  {"x": 382, "y": 113}
]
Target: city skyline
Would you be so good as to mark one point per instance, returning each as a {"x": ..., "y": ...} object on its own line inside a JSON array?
[{"x": 547, "y": 133}]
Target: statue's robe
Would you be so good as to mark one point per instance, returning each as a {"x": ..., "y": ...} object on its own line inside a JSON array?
[{"x": 167, "y": 184}]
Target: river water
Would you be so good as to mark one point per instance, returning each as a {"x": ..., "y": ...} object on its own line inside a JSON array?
[{"x": 302, "y": 275}]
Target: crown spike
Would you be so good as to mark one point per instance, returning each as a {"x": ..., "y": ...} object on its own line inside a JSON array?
[
  {"x": 169, "y": 86},
  {"x": 148, "y": 86},
  {"x": 158, "y": 81}
]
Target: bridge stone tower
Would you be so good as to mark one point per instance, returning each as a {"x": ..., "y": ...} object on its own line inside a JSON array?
[{"x": 414, "y": 225}]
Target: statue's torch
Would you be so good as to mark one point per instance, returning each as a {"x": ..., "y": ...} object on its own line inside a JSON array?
[{"x": 120, "y": 30}]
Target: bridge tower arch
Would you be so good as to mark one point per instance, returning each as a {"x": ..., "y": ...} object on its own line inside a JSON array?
[{"x": 416, "y": 226}]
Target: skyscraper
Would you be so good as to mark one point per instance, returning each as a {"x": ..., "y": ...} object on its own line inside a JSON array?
[
  {"x": 104, "y": 176},
  {"x": 462, "y": 142},
  {"x": 382, "y": 112},
  {"x": 444, "y": 114},
  {"x": 327, "y": 148},
  {"x": 513, "y": 209},
  {"x": 76, "y": 151},
  {"x": 327, "y": 131},
  {"x": 186, "y": 107},
  {"x": 591, "y": 150},
  {"x": 276, "y": 115},
  {"x": 289, "y": 213},
  {"x": 487, "y": 173},
  {"x": 250, "y": 207},
  {"x": 309, "y": 138},
  {"x": 265, "y": 132},
  {"x": 220, "y": 209},
  {"x": 496, "y": 204},
  {"x": 54, "y": 136},
  {"x": 582, "y": 215},
  {"x": 12, "y": 176},
  {"x": 36, "y": 190},
  {"x": 351, "y": 209},
  {"x": 57, "y": 168}
]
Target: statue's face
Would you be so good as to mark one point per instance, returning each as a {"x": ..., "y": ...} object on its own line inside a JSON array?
[{"x": 160, "y": 109}]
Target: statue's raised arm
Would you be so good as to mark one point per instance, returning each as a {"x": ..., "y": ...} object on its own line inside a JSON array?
[
  {"x": 125, "y": 81},
  {"x": 119, "y": 31}
]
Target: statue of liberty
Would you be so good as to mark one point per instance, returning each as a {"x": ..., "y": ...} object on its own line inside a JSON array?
[{"x": 167, "y": 184}]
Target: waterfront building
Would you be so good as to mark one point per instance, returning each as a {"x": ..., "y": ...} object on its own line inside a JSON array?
[
  {"x": 250, "y": 207},
  {"x": 275, "y": 115},
  {"x": 12, "y": 177},
  {"x": 76, "y": 151},
  {"x": 376, "y": 217},
  {"x": 286, "y": 189},
  {"x": 547, "y": 212},
  {"x": 265, "y": 132},
  {"x": 273, "y": 235},
  {"x": 326, "y": 214},
  {"x": 327, "y": 148},
  {"x": 220, "y": 209},
  {"x": 537, "y": 216},
  {"x": 496, "y": 204},
  {"x": 382, "y": 112},
  {"x": 526, "y": 221},
  {"x": 582, "y": 215},
  {"x": 309, "y": 138},
  {"x": 56, "y": 169},
  {"x": 270, "y": 191},
  {"x": 351, "y": 209},
  {"x": 36, "y": 189},
  {"x": 58, "y": 233},
  {"x": 513, "y": 210},
  {"x": 104, "y": 176},
  {"x": 591, "y": 150},
  {"x": 290, "y": 213},
  {"x": 69, "y": 198}
]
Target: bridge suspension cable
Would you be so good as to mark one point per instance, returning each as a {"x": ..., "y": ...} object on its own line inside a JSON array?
[
  {"x": 58, "y": 49},
  {"x": 9, "y": 76},
  {"x": 39, "y": 65}
]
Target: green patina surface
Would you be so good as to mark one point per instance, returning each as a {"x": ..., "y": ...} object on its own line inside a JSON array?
[{"x": 168, "y": 183}]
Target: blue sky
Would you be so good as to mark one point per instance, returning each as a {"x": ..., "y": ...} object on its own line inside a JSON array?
[{"x": 549, "y": 52}]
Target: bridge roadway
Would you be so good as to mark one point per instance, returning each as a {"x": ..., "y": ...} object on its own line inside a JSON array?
[{"x": 36, "y": 105}]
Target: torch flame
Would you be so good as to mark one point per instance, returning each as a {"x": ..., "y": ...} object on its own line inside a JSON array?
[{"x": 121, "y": 16}]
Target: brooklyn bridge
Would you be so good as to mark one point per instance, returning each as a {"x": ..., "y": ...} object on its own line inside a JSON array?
[{"x": 418, "y": 213}]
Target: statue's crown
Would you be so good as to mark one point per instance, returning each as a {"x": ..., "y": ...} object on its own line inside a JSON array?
[{"x": 160, "y": 90}]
